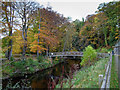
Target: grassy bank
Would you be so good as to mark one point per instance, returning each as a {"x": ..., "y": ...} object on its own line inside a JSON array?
[
  {"x": 29, "y": 65},
  {"x": 114, "y": 75},
  {"x": 87, "y": 77}
]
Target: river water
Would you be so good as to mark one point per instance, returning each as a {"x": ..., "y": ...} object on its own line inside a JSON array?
[{"x": 43, "y": 79}]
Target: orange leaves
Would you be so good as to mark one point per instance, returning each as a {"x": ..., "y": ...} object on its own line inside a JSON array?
[
  {"x": 47, "y": 36},
  {"x": 36, "y": 43},
  {"x": 34, "y": 47},
  {"x": 117, "y": 34}
]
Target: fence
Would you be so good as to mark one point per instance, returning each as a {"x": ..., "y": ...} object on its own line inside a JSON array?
[{"x": 105, "y": 82}]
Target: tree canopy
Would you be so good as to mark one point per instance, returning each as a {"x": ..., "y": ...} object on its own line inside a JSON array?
[{"x": 31, "y": 28}]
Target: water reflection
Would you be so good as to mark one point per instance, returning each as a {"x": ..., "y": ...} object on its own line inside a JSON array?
[
  {"x": 56, "y": 72},
  {"x": 43, "y": 79}
]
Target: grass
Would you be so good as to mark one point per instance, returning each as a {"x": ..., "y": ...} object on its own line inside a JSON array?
[
  {"x": 2, "y": 55},
  {"x": 27, "y": 66},
  {"x": 88, "y": 77},
  {"x": 114, "y": 75}
]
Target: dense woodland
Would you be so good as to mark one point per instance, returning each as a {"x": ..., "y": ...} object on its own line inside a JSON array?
[{"x": 30, "y": 28}]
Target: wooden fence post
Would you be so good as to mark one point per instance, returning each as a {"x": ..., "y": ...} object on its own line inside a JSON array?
[
  {"x": 100, "y": 79},
  {"x": 105, "y": 67}
]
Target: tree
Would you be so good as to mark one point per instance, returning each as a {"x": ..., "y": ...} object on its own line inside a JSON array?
[
  {"x": 25, "y": 12},
  {"x": 68, "y": 39},
  {"x": 51, "y": 25},
  {"x": 8, "y": 24},
  {"x": 111, "y": 10},
  {"x": 76, "y": 39}
]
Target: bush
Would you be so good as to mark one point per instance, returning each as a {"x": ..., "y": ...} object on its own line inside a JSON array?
[
  {"x": 12, "y": 58},
  {"x": 89, "y": 56},
  {"x": 30, "y": 62},
  {"x": 104, "y": 50},
  {"x": 40, "y": 59},
  {"x": 20, "y": 65},
  {"x": 98, "y": 50}
]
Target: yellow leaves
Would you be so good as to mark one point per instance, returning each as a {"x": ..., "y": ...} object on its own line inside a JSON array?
[
  {"x": 96, "y": 19},
  {"x": 116, "y": 33},
  {"x": 36, "y": 42},
  {"x": 18, "y": 42},
  {"x": 117, "y": 37},
  {"x": 34, "y": 46},
  {"x": 4, "y": 49}
]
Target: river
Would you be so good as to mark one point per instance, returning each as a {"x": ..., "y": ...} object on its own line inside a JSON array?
[{"x": 44, "y": 79}]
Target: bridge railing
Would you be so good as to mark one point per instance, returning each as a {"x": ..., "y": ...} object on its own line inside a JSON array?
[
  {"x": 76, "y": 54},
  {"x": 101, "y": 55},
  {"x": 65, "y": 53}
]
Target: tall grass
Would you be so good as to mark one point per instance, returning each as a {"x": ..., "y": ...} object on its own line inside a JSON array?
[
  {"x": 87, "y": 77},
  {"x": 114, "y": 75}
]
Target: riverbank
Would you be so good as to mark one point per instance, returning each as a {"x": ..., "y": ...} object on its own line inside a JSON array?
[
  {"x": 87, "y": 77},
  {"x": 29, "y": 66},
  {"x": 41, "y": 79}
]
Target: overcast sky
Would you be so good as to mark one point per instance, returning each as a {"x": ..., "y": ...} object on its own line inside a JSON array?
[{"x": 76, "y": 9}]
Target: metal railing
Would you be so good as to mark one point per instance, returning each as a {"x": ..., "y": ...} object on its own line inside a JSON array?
[{"x": 53, "y": 54}]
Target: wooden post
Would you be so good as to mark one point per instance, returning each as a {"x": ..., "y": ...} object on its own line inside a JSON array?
[
  {"x": 105, "y": 67},
  {"x": 100, "y": 79}
]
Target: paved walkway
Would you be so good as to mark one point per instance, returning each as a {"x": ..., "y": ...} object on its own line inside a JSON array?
[{"x": 117, "y": 62}]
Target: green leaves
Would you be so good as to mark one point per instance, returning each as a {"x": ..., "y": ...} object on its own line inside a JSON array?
[{"x": 89, "y": 55}]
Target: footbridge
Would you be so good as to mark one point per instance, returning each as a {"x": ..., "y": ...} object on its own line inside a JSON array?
[{"x": 65, "y": 54}]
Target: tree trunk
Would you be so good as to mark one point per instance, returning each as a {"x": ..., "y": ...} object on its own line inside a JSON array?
[
  {"x": 24, "y": 34},
  {"x": 47, "y": 51},
  {"x": 25, "y": 39},
  {"x": 106, "y": 40},
  {"x": 10, "y": 25},
  {"x": 10, "y": 46},
  {"x": 38, "y": 42},
  {"x": 38, "y": 35}
]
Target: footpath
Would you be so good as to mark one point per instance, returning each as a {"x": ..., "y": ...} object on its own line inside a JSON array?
[{"x": 117, "y": 66}]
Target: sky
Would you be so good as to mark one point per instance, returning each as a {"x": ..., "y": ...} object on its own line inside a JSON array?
[{"x": 76, "y": 9}]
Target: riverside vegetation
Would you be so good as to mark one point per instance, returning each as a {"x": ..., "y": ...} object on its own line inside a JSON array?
[
  {"x": 87, "y": 77},
  {"x": 14, "y": 68}
]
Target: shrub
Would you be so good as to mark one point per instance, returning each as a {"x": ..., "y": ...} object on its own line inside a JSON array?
[
  {"x": 20, "y": 65},
  {"x": 98, "y": 50},
  {"x": 89, "y": 56},
  {"x": 104, "y": 50},
  {"x": 30, "y": 61},
  {"x": 40, "y": 59},
  {"x": 12, "y": 58}
]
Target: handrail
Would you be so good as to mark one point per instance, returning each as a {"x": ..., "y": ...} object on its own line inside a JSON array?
[{"x": 65, "y": 53}]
